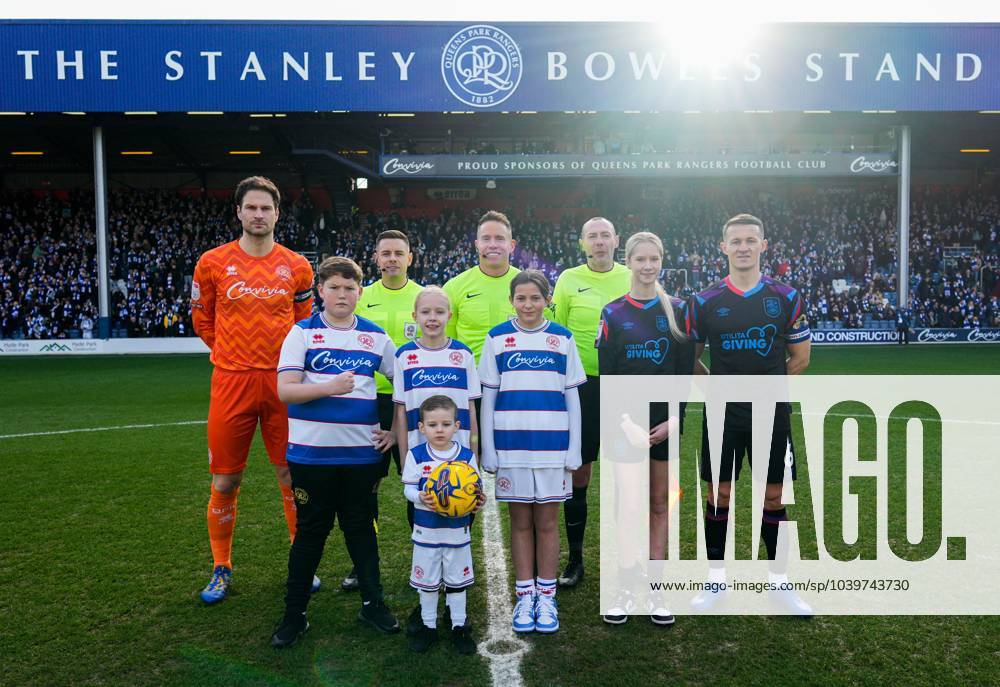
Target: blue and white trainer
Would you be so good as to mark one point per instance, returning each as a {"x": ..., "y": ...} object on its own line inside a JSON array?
[
  {"x": 524, "y": 614},
  {"x": 316, "y": 585},
  {"x": 218, "y": 586},
  {"x": 546, "y": 614}
]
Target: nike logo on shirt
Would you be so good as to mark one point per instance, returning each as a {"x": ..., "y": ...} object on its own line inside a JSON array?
[
  {"x": 374, "y": 305},
  {"x": 473, "y": 295},
  {"x": 586, "y": 289}
]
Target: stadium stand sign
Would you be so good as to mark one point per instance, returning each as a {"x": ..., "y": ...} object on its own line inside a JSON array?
[
  {"x": 174, "y": 66},
  {"x": 639, "y": 165},
  {"x": 102, "y": 346},
  {"x": 924, "y": 335}
]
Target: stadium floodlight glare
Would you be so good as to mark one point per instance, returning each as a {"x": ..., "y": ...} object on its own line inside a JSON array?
[
  {"x": 361, "y": 183},
  {"x": 197, "y": 113},
  {"x": 699, "y": 42},
  {"x": 815, "y": 111},
  {"x": 141, "y": 114},
  {"x": 989, "y": 112},
  {"x": 137, "y": 152},
  {"x": 261, "y": 115},
  {"x": 244, "y": 152},
  {"x": 527, "y": 111},
  {"x": 974, "y": 150},
  {"x": 12, "y": 114},
  {"x": 491, "y": 184},
  {"x": 31, "y": 153},
  {"x": 400, "y": 114}
]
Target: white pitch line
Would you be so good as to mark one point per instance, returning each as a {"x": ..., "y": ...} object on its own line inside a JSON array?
[
  {"x": 101, "y": 429},
  {"x": 502, "y": 647}
]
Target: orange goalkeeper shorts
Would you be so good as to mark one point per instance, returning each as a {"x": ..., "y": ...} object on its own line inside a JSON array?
[{"x": 238, "y": 401}]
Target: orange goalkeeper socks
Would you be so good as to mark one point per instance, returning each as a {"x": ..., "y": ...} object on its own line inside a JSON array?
[
  {"x": 288, "y": 501},
  {"x": 221, "y": 521}
]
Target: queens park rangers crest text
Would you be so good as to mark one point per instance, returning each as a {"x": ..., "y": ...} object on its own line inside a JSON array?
[{"x": 481, "y": 65}]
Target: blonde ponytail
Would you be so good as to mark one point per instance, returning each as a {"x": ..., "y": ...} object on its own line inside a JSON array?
[{"x": 665, "y": 299}]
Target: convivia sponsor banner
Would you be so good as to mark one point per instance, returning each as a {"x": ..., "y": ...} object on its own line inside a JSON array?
[
  {"x": 956, "y": 335},
  {"x": 877, "y": 336},
  {"x": 643, "y": 165},
  {"x": 101, "y": 346}
]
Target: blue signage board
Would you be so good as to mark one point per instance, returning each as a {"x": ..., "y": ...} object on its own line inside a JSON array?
[{"x": 439, "y": 67}]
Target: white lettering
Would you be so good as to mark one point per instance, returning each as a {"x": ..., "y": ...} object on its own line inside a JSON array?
[
  {"x": 960, "y": 74},
  {"x": 753, "y": 69},
  {"x": 301, "y": 69},
  {"x": 240, "y": 289},
  {"x": 393, "y": 165},
  {"x": 404, "y": 67},
  {"x": 849, "y": 58},
  {"x": 171, "y": 61},
  {"x": 888, "y": 67},
  {"x": 813, "y": 65},
  {"x": 647, "y": 63},
  {"x": 609, "y": 69},
  {"x": 253, "y": 65},
  {"x": 76, "y": 64},
  {"x": 107, "y": 65},
  {"x": 365, "y": 67},
  {"x": 29, "y": 66},
  {"x": 210, "y": 56},
  {"x": 330, "y": 76},
  {"x": 922, "y": 63},
  {"x": 557, "y": 66}
]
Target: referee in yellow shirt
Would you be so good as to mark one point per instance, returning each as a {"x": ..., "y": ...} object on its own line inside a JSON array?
[
  {"x": 580, "y": 295},
  {"x": 389, "y": 304}
]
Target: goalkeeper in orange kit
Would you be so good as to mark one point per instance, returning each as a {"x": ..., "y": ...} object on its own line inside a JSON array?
[{"x": 245, "y": 296}]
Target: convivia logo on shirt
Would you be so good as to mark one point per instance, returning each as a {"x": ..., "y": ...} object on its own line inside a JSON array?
[
  {"x": 342, "y": 363},
  {"x": 532, "y": 361},
  {"x": 421, "y": 378},
  {"x": 240, "y": 289},
  {"x": 756, "y": 339}
]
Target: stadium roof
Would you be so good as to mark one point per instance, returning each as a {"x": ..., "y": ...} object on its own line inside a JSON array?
[{"x": 252, "y": 141}]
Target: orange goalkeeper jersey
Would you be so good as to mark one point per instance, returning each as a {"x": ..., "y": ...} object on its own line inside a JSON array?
[{"x": 242, "y": 307}]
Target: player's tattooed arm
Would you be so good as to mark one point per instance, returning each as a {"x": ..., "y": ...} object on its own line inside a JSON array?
[{"x": 798, "y": 357}]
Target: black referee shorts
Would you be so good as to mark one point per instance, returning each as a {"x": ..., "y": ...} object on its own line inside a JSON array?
[
  {"x": 590, "y": 418},
  {"x": 739, "y": 442}
]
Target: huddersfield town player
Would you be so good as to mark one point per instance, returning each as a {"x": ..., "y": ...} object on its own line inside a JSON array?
[
  {"x": 753, "y": 325},
  {"x": 244, "y": 297},
  {"x": 434, "y": 364},
  {"x": 388, "y": 303},
  {"x": 639, "y": 334},
  {"x": 531, "y": 438},
  {"x": 480, "y": 295},
  {"x": 442, "y": 545},
  {"x": 580, "y": 294},
  {"x": 326, "y": 375}
]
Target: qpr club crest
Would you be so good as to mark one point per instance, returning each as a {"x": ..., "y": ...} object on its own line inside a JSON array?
[
  {"x": 661, "y": 323},
  {"x": 772, "y": 306},
  {"x": 283, "y": 272},
  {"x": 366, "y": 341},
  {"x": 456, "y": 358},
  {"x": 552, "y": 342},
  {"x": 481, "y": 65}
]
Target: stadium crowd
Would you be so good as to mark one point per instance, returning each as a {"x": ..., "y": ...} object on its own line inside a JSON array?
[{"x": 838, "y": 247}]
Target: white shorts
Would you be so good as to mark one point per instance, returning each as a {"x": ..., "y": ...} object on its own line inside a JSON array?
[
  {"x": 534, "y": 485},
  {"x": 431, "y": 564}
]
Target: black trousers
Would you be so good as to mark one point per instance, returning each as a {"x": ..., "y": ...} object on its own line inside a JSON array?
[{"x": 324, "y": 494}]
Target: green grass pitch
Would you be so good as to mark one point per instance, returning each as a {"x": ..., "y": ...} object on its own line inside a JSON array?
[{"x": 105, "y": 548}]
